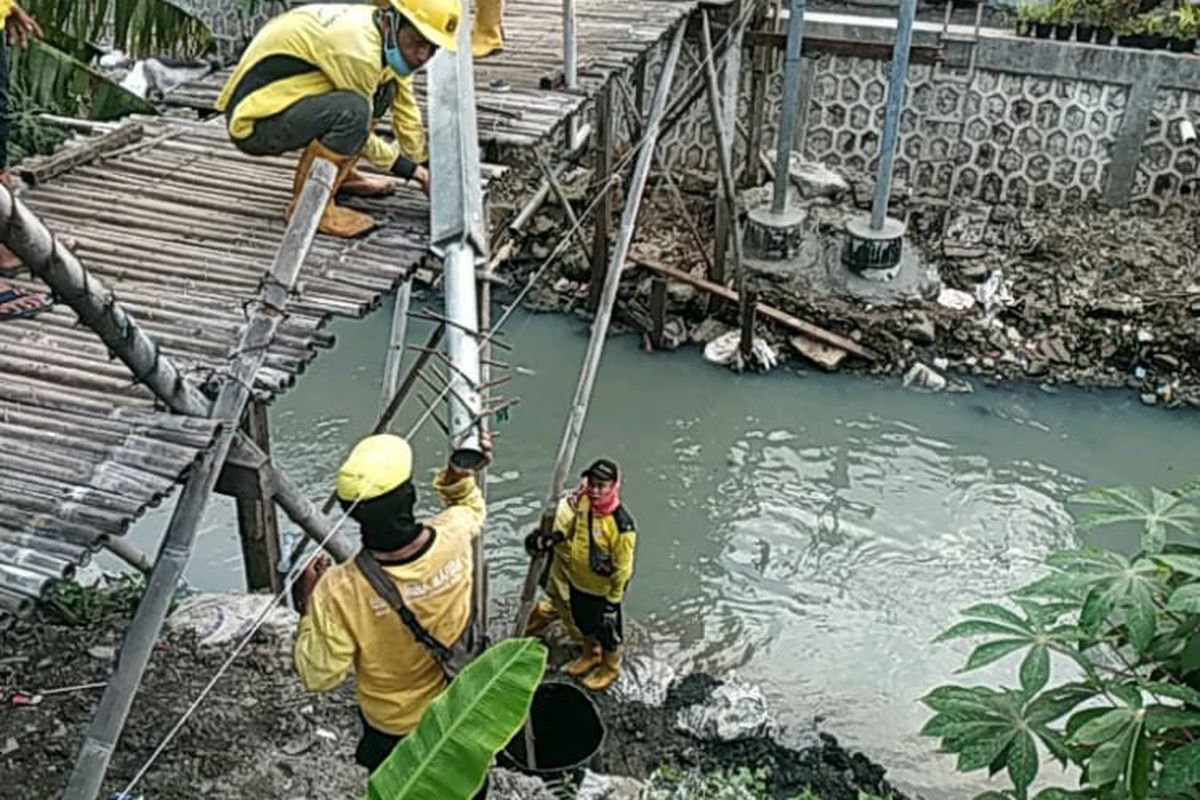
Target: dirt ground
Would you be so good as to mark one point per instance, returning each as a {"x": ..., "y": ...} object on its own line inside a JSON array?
[
  {"x": 1088, "y": 298},
  {"x": 260, "y": 735}
]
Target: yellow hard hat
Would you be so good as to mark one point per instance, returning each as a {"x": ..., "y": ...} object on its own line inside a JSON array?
[
  {"x": 436, "y": 20},
  {"x": 375, "y": 466}
]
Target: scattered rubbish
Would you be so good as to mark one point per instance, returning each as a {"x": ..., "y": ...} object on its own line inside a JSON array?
[
  {"x": 1165, "y": 362},
  {"x": 10, "y": 746},
  {"x": 644, "y": 680},
  {"x": 822, "y": 354},
  {"x": 921, "y": 376},
  {"x": 595, "y": 786},
  {"x": 19, "y": 699},
  {"x": 1055, "y": 350},
  {"x": 1144, "y": 336},
  {"x": 220, "y": 619},
  {"x": 725, "y": 350},
  {"x": 995, "y": 292},
  {"x": 500, "y": 85},
  {"x": 955, "y": 299},
  {"x": 814, "y": 179},
  {"x": 152, "y": 79},
  {"x": 735, "y": 710},
  {"x": 708, "y": 330},
  {"x": 921, "y": 330},
  {"x": 103, "y": 652},
  {"x": 1149, "y": 398},
  {"x": 326, "y": 734},
  {"x": 941, "y": 363},
  {"x": 298, "y": 746}
]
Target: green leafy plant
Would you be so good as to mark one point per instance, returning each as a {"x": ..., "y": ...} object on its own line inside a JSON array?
[
  {"x": 1128, "y": 627},
  {"x": 1184, "y": 22},
  {"x": 448, "y": 753},
  {"x": 1031, "y": 11},
  {"x": 1090, "y": 12},
  {"x": 1062, "y": 11},
  {"x": 87, "y": 606}
]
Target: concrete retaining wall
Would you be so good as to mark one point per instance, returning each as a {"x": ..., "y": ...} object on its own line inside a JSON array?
[{"x": 1036, "y": 123}]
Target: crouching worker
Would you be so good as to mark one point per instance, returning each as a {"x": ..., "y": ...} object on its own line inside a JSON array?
[
  {"x": 347, "y": 622},
  {"x": 315, "y": 79},
  {"x": 591, "y": 564}
]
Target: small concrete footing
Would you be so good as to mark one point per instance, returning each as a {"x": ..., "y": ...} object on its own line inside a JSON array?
[
  {"x": 773, "y": 237},
  {"x": 874, "y": 254}
]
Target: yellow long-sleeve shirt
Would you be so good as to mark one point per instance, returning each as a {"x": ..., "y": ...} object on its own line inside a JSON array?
[
  {"x": 345, "y": 50},
  {"x": 349, "y": 625},
  {"x": 613, "y": 538}
]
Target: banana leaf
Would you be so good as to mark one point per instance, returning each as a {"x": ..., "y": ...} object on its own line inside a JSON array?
[
  {"x": 448, "y": 753},
  {"x": 138, "y": 27},
  {"x": 49, "y": 78}
]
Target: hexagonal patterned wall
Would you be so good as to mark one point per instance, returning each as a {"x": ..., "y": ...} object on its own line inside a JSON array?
[
  {"x": 997, "y": 137},
  {"x": 1168, "y": 171}
]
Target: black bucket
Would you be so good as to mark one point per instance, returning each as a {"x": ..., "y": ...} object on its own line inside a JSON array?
[{"x": 567, "y": 732}]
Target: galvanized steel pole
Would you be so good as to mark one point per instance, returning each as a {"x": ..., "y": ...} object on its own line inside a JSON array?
[
  {"x": 787, "y": 113},
  {"x": 891, "y": 120}
]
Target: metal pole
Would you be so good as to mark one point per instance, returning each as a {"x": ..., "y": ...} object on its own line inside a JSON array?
[
  {"x": 97, "y": 308},
  {"x": 462, "y": 346},
  {"x": 891, "y": 119},
  {"x": 395, "y": 353},
  {"x": 787, "y": 118},
  {"x": 259, "y": 331},
  {"x": 612, "y": 282},
  {"x": 570, "y": 64}
]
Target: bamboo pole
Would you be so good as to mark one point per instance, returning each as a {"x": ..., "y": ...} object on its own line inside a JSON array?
[
  {"x": 109, "y": 721},
  {"x": 395, "y": 352},
  {"x": 591, "y": 364},
  {"x": 724, "y": 156}
]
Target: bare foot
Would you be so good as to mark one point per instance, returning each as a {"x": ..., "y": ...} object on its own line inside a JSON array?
[{"x": 9, "y": 263}]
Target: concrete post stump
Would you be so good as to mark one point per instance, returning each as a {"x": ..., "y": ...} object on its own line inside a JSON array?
[{"x": 874, "y": 254}]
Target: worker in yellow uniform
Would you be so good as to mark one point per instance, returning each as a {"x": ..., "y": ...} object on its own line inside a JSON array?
[
  {"x": 315, "y": 78},
  {"x": 487, "y": 35},
  {"x": 345, "y": 622},
  {"x": 592, "y": 561}
]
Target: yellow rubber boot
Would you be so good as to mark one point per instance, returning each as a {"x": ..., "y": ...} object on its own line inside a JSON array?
[
  {"x": 588, "y": 660},
  {"x": 603, "y": 676},
  {"x": 487, "y": 37},
  {"x": 541, "y": 617},
  {"x": 344, "y": 223},
  {"x": 360, "y": 184}
]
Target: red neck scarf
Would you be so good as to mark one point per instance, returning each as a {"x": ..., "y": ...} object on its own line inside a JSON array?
[{"x": 603, "y": 505}]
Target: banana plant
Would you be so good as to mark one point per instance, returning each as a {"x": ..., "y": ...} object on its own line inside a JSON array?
[
  {"x": 448, "y": 753},
  {"x": 1128, "y": 628}
]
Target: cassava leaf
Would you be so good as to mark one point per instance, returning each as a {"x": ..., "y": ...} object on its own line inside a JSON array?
[
  {"x": 1186, "y": 599},
  {"x": 994, "y": 612},
  {"x": 1023, "y": 762},
  {"x": 1053, "y": 703},
  {"x": 985, "y": 654},
  {"x": 978, "y": 627},
  {"x": 1035, "y": 669},
  {"x": 1180, "y": 770},
  {"x": 1104, "y": 727}
]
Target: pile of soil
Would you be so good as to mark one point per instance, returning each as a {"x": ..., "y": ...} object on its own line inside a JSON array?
[
  {"x": 1087, "y": 297},
  {"x": 261, "y": 735}
]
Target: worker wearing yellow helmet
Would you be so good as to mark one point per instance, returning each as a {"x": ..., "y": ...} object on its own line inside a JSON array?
[
  {"x": 317, "y": 77},
  {"x": 346, "y": 621}
]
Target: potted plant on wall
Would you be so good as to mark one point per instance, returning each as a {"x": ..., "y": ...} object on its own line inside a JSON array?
[
  {"x": 1087, "y": 20},
  {"x": 1028, "y": 12},
  {"x": 1062, "y": 14},
  {"x": 1182, "y": 27},
  {"x": 1108, "y": 14},
  {"x": 1039, "y": 15}
]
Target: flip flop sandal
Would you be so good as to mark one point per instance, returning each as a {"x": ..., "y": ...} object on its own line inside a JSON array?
[{"x": 12, "y": 294}]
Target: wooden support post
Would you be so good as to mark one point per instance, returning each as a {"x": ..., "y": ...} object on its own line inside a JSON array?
[
  {"x": 760, "y": 58},
  {"x": 658, "y": 311},
  {"x": 258, "y": 524},
  {"x": 747, "y": 310},
  {"x": 604, "y": 169}
]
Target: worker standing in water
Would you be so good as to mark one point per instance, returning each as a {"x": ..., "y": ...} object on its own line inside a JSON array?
[
  {"x": 592, "y": 548},
  {"x": 317, "y": 77},
  {"x": 347, "y": 621}
]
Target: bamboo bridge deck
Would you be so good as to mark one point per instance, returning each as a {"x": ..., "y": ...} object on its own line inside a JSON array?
[
  {"x": 181, "y": 226},
  {"x": 612, "y": 36}
]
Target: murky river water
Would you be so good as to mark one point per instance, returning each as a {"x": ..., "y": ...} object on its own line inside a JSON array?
[{"x": 812, "y": 533}]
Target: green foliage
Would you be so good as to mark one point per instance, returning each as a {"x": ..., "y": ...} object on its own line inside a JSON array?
[
  {"x": 1062, "y": 11},
  {"x": 85, "y": 606},
  {"x": 1032, "y": 11},
  {"x": 1128, "y": 628},
  {"x": 448, "y": 753},
  {"x": 50, "y": 78},
  {"x": 1184, "y": 23},
  {"x": 138, "y": 27}
]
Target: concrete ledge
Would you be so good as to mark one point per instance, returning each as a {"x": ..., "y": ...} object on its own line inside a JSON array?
[{"x": 1004, "y": 51}]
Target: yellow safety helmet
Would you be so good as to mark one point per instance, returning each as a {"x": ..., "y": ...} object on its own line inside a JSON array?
[
  {"x": 436, "y": 20},
  {"x": 375, "y": 466}
]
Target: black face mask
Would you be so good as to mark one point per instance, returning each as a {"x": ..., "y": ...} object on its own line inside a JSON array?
[{"x": 387, "y": 522}]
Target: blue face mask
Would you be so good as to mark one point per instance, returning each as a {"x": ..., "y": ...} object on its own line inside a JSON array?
[{"x": 395, "y": 59}]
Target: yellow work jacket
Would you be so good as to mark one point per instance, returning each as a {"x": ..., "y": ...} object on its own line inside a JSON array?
[
  {"x": 349, "y": 624},
  {"x": 6, "y": 7},
  {"x": 611, "y": 538},
  {"x": 345, "y": 50}
]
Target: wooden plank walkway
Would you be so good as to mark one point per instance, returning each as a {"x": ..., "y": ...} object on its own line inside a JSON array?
[
  {"x": 181, "y": 226},
  {"x": 612, "y": 36}
]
